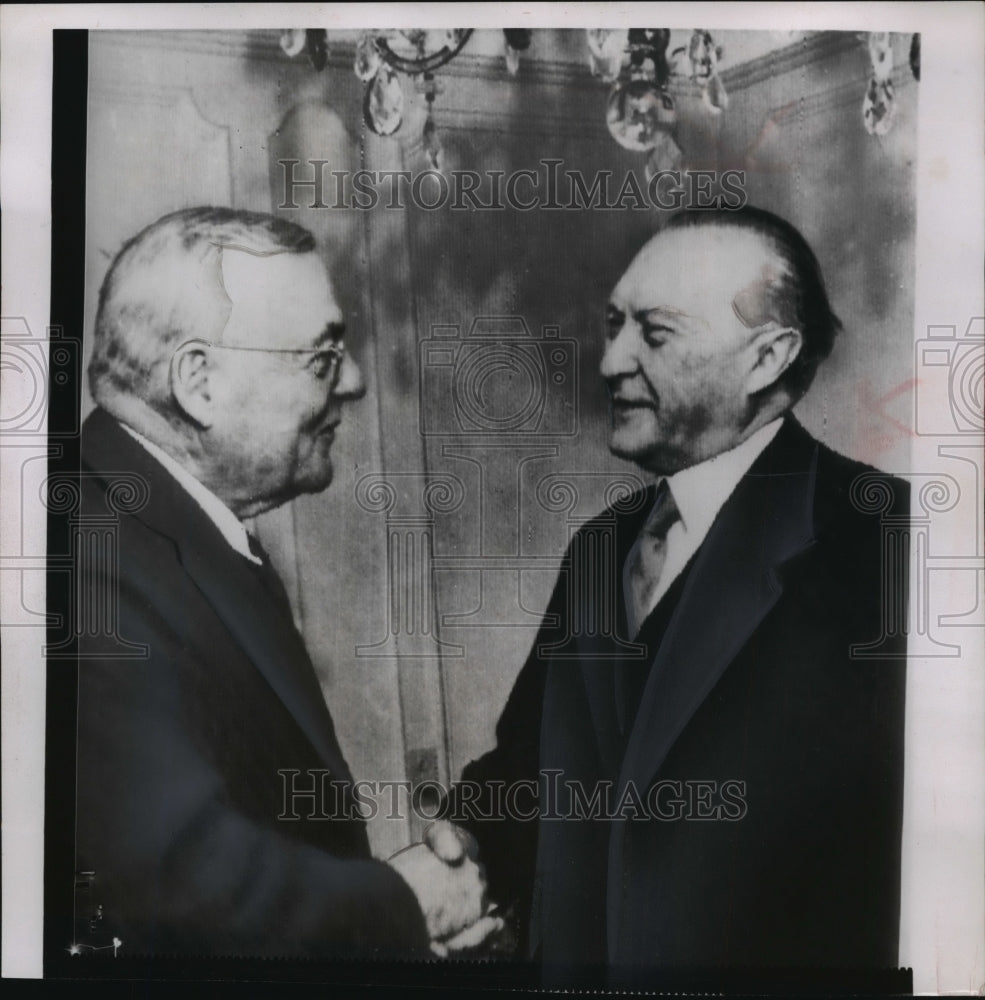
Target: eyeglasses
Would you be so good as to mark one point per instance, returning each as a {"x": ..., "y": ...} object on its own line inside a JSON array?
[{"x": 325, "y": 363}]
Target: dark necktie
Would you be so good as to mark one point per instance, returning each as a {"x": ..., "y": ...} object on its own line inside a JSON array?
[
  {"x": 267, "y": 575},
  {"x": 645, "y": 562}
]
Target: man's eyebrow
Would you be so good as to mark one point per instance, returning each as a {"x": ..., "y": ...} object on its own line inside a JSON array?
[{"x": 667, "y": 312}]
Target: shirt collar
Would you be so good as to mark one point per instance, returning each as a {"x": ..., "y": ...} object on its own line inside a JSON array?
[
  {"x": 701, "y": 490},
  {"x": 230, "y": 526}
]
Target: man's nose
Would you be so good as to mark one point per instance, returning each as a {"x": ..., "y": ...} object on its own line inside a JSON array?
[
  {"x": 350, "y": 384},
  {"x": 619, "y": 357}
]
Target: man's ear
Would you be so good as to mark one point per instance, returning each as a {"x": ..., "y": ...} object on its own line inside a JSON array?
[
  {"x": 774, "y": 351},
  {"x": 189, "y": 378}
]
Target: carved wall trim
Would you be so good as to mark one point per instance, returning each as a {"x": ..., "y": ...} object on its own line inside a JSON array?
[
  {"x": 845, "y": 94},
  {"x": 263, "y": 44},
  {"x": 164, "y": 95}
]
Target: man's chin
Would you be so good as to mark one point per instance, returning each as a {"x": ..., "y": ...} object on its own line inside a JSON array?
[
  {"x": 651, "y": 459},
  {"x": 315, "y": 480},
  {"x": 630, "y": 450}
]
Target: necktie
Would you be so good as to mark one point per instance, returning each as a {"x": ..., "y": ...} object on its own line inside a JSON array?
[
  {"x": 641, "y": 573},
  {"x": 268, "y": 575}
]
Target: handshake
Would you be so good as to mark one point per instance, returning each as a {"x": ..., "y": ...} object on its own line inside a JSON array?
[{"x": 450, "y": 887}]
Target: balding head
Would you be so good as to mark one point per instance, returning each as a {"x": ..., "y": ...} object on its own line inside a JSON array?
[
  {"x": 710, "y": 336},
  {"x": 165, "y": 286},
  {"x": 219, "y": 339},
  {"x": 788, "y": 291}
]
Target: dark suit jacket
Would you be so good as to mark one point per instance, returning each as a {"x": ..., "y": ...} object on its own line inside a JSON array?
[
  {"x": 789, "y": 855},
  {"x": 180, "y": 752}
]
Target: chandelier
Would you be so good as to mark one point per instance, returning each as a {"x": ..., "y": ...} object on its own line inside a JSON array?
[
  {"x": 381, "y": 55},
  {"x": 641, "y": 114},
  {"x": 879, "y": 104}
]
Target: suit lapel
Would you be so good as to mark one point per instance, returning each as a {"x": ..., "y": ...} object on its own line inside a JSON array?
[
  {"x": 734, "y": 583},
  {"x": 266, "y": 635},
  {"x": 598, "y": 678},
  {"x": 271, "y": 642}
]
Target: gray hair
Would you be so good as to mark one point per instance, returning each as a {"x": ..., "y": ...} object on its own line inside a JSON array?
[
  {"x": 165, "y": 287},
  {"x": 795, "y": 295}
]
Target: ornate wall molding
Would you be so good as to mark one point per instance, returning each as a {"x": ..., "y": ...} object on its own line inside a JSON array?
[
  {"x": 457, "y": 113},
  {"x": 814, "y": 48},
  {"x": 847, "y": 93},
  {"x": 263, "y": 44}
]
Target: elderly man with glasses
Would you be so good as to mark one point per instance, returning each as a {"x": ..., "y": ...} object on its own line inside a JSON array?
[{"x": 219, "y": 376}]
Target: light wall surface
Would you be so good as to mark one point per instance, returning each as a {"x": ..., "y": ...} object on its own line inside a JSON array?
[{"x": 179, "y": 119}]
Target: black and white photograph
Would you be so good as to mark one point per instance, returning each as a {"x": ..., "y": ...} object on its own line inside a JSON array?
[{"x": 492, "y": 496}]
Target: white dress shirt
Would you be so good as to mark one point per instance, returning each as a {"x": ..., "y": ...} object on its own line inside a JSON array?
[
  {"x": 700, "y": 493},
  {"x": 232, "y": 529}
]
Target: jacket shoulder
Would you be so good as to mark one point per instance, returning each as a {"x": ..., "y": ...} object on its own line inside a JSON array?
[{"x": 850, "y": 488}]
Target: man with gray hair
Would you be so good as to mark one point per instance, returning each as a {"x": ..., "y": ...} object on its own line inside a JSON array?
[
  {"x": 720, "y": 773},
  {"x": 219, "y": 374}
]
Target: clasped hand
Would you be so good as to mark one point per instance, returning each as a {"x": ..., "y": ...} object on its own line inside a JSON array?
[{"x": 450, "y": 887}]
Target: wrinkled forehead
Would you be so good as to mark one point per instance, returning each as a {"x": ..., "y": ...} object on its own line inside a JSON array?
[
  {"x": 277, "y": 297},
  {"x": 695, "y": 270}
]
